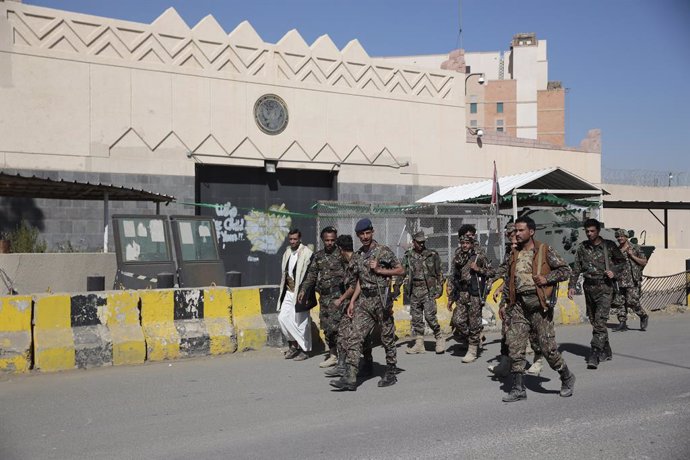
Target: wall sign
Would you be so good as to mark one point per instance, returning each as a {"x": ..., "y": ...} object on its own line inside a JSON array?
[{"x": 271, "y": 114}]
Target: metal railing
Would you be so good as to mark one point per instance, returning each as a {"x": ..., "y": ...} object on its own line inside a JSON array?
[{"x": 658, "y": 292}]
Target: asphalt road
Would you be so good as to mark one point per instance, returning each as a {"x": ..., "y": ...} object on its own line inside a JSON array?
[{"x": 257, "y": 405}]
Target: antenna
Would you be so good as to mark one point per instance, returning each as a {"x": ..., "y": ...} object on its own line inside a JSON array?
[{"x": 460, "y": 23}]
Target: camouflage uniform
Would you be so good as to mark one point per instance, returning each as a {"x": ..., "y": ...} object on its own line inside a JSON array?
[
  {"x": 423, "y": 282},
  {"x": 528, "y": 315},
  {"x": 345, "y": 326},
  {"x": 630, "y": 285},
  {"x": 590, "y": 262},
  {"x": 326, "y": 272},
  {"x": 374, "y": 304},
  {"x": 467, "y": 316},
  {"x": 502, "y": 272}
]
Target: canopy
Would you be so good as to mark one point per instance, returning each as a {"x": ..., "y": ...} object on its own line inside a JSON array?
[{"x": 554, "y": 181}]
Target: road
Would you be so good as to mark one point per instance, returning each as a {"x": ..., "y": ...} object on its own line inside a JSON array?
[{"x": 256, "y": 405}]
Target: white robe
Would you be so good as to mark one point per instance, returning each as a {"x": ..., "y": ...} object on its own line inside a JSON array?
[{"x": 296, "y": 326}]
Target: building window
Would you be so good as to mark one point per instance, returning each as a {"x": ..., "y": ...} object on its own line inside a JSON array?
[
  {"x": 499, "y": 126},
  {"x": 473, "y": 123},
  {"x": 473, "y": 107},
  {"x": 499, "y": 107}
]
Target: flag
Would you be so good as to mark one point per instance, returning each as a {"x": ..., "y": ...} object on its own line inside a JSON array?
[{"x": 495, "y": 191}]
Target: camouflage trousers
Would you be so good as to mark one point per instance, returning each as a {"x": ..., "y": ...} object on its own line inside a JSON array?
[
  {"x": 628, "y": 299},
  {"x": 527, "y": 317},
  {"x": 505, "y": 325},
  {"x": 329, "y": 319},
  {"x": 467, "y": 317},
  {"x": 344, "y": 337},
  {"x": 423, "y": 306},
  {"x": 598, "y": 300},
  {"x": 369, "y": 311}
]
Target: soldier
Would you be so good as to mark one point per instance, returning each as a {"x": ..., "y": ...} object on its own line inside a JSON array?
[
  {"x": 534, "y": 272},
  {"x": 344, "y": 243},
  {"x": 326, "y": 273},
  {"x": 630, "y": 283},
  {"x": 423, "y": 284},
  {"x": 502, "y": 369},
  {"x": 600, "y": 261},
  {"x": 464, "y": 289},
  {"x": 373, "y": 265}
]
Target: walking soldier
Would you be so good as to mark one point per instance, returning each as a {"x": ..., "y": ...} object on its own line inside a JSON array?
[{"x": 630, "y": 283}]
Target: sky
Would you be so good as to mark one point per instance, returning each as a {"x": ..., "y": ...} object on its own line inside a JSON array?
[{"x": 625, "y": 63}]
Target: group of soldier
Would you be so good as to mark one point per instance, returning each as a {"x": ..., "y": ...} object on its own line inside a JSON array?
[{"x": 357, "y": 290}]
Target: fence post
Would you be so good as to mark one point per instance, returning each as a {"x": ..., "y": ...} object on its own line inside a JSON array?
[{"x": 687, "y": 282}]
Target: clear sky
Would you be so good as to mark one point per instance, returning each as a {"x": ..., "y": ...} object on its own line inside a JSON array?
[{"x": 626, "y": 63}]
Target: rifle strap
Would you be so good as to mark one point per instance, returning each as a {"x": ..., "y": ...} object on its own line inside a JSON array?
[
  {"x": 606, "y": 255},
  {"x": 540, "y": 259}
]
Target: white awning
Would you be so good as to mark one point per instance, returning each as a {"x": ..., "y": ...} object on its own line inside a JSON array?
[{"x": 554, "y": 180}]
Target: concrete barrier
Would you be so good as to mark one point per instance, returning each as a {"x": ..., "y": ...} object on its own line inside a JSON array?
[
  {"x": 70, "y": 331},
  {"x": 122, "y": 320},
  {"x": 247, "y": 307},
  {"x": 15, "y": 333},
  {"x": 175, "y": 323}
]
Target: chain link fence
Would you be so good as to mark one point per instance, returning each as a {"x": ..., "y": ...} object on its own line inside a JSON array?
[{"x": 394, "y": 225}]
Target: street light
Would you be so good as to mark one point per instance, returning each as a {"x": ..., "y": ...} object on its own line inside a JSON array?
[
  {"x": 670, "y": 178},
  {"x": 480, "y": 81},
  {"x": 475, "y": 131}
]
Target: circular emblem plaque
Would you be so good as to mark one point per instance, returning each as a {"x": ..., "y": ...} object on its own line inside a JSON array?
[{"x": 271, "y": 114}]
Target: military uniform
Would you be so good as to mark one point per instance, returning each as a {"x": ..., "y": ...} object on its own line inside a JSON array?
[
  {"x": 464, "y": 289},
  {"x": 374, "y": 305},
  {"x": 630, "y": 287},
  {"x": 591, "y": 262},
  {"x": 527, "y": 312},
  {"x": 423, "y": 284},
  {"x": 326, "y": 273},
  {"x": 531, "y": 309}
]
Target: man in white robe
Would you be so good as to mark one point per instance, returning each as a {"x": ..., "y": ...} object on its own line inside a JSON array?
[{"x": 295, "y": 326}]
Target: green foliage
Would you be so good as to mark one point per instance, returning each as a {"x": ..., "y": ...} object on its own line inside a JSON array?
[
  {"x": 25, "y": 238},
  {"x": 67, "y": 246}
]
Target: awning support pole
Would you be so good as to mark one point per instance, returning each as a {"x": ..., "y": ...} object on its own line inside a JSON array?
[
  {"x": 105, "y": 223},
  {"x": 514, "y": 205}
]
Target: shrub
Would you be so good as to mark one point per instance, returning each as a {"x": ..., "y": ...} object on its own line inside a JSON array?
[{"x": 25, "y": 238}]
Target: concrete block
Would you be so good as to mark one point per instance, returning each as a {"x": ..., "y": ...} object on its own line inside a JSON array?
[{"x": 15, "y": 334}]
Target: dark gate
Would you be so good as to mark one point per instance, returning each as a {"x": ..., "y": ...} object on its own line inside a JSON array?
[{"x": 251, "y": 240}]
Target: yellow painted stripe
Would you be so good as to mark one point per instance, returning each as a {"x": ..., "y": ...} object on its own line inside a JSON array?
[
  {"x": 15, "y": 313},
  {"x": 157, "y": 321},
  {"x": 122, "y": 319},
  {"x": 249, "y": 324},
  {"x": 53, "y": 339},
  {"x": 217, "y": 316}
]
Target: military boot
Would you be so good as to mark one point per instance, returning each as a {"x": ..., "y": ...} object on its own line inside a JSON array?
[
  {"x": 389, "y": 377},
  {"x": 471, "y": 354},
  {"x": 502, "y": 369},
  {"x": 366, "y": 367},
  {"x": 332, "y": 360},
  {"x": 622, "y": 327},
  {"x": 593, "y": 360},
  {"x": 348, "y": 382},
  {"x": 567, "y": 381},
  {"x": 418, "y": 346},
  {"x": 338, "y": 370},
  {"x": 440, "y": 344},
  {"x": 518, "y": 391},
  {"x": 537, "y": 365},
  {"x": 644, "y": 322},
  {"x": 607, "y": 354}
]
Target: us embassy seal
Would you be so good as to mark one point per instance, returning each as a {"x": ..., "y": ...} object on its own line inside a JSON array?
[{"x": 271, "y": 114}]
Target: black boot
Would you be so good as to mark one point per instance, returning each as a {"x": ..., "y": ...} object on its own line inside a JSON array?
[
  {"x": 644, "y": 322},
  {"x": 607, "y": 354},
  {"x": 518, "y": 391},
  {"x": 348, "y": 382},
  {"x": 567, "y": 381},
  {"x": 366, "y": 367},
  {"x": 389, "y": 377},
  {"x": 339, "y": 369},
  {"x": 593, "y": 360},
  {"x": 622, "y": 327}
]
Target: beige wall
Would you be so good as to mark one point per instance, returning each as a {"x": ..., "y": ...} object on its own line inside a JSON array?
[
  {"x": 551, "y": 116},
  {"x": 501, "y": 91},
  {"x": 126, "y": 97},
  {"x": 641, "y": 219}
]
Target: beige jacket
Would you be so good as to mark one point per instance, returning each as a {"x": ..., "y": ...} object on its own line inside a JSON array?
[{"x": 303, "y": 258}]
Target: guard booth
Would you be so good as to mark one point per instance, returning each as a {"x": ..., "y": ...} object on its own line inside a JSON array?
[{"x": 162, "y": 252}]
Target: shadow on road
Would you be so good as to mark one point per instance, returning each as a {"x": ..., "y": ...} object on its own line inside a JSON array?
[{"x": 575, "y": 349}]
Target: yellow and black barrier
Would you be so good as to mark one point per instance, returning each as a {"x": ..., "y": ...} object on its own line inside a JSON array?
[{"x": 15, "y": 333}]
